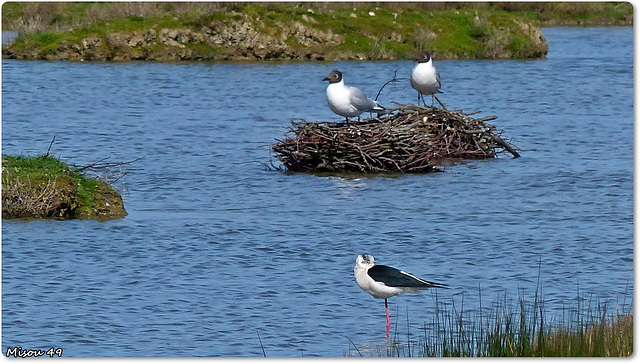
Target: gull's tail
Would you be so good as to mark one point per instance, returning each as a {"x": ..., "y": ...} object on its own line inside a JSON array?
[{"x": 377, "y": 108}]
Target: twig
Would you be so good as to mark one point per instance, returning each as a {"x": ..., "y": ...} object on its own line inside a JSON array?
[
  {"x": 439, "y": 102},
  {"x": 486, "y": 118},
  {"x": 355, "y": 347},
  {"x": 50, "y": 144},
  {"x": 506, "y": 146},
  {"x": 261, "y": 346},
  {"x": 99, "y": 165},
  {"x": 394, "y": 79},
  {"x": 472, "y": 113}
]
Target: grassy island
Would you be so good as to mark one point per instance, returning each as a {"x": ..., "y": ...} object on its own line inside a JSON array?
[
  {"x": 253, "y": 31},
  {"x": 45, "y": 187}
]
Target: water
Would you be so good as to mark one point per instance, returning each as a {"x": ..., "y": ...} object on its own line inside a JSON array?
[
  {"x": 217, "y": 248},
  {"x": 8, "y": 36}
]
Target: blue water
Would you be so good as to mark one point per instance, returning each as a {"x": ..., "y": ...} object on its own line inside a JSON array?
[{"x": 217, "y": 248}]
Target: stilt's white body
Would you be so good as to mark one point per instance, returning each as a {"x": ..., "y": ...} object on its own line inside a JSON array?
[
  {"x": 376, "y": 289},
  {"x": 391, "y": 281}
]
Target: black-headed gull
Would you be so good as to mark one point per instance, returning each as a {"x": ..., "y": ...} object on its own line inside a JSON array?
[
  {"x": 348, "y": 101},
  {"x": 425, "y": 78}
]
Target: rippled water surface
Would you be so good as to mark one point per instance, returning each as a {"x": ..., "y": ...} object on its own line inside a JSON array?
[{"x": 218, "y": 248}]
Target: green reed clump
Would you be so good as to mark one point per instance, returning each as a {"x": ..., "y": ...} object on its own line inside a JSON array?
[{"x": 525, "y": 330}]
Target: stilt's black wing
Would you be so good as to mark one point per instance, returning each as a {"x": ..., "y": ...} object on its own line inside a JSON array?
[{"x": 393, "y": 277}]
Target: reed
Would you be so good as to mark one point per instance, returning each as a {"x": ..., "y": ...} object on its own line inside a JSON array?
[{"x": 525, "y": 330}]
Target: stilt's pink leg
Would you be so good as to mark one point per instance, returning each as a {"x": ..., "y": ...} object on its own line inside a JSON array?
[{"x": 386, "y": 309}]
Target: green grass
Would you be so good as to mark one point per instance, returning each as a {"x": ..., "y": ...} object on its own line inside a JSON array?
[
  {"x": 526, "y": 330},
  {"x": 578, "y": 13},
  {"x": 40, "y": 169},
  {"x": 52, "y": 16},
  {"x": 397, "y": 31},
  {"x": 26, "y": 178},
  {"x": 37, "y": 168}
]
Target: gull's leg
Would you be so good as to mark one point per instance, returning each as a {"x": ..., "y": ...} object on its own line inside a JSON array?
[
  {"x": 421, "y": 96},
  {"x": 424, "y": 102}
]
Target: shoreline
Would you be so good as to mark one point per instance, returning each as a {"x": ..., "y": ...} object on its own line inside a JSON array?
[{"x": 256, "y": 32}]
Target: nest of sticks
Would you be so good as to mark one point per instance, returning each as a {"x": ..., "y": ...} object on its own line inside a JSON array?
[{"x": 411, "y": 139}]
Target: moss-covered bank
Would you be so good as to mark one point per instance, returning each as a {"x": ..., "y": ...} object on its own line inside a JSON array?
[
  {"x": 262, "y": 31},
  {"x": 45, "y": 187}
]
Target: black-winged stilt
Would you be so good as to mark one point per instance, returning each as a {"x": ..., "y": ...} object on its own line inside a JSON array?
[{"x": 382, "y": 281}]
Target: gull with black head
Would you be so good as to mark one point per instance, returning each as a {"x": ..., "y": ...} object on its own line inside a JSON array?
[
  {"x": 382, "y": 281},
  {"x": 425, "y": 78},
  {"x": 348, "y": 101}
]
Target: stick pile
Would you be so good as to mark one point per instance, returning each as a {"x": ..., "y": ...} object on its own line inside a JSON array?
[{"x": 412, "y": 139}]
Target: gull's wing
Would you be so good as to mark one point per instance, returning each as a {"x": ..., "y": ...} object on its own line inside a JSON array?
[{"x": 359, "y": 100}]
